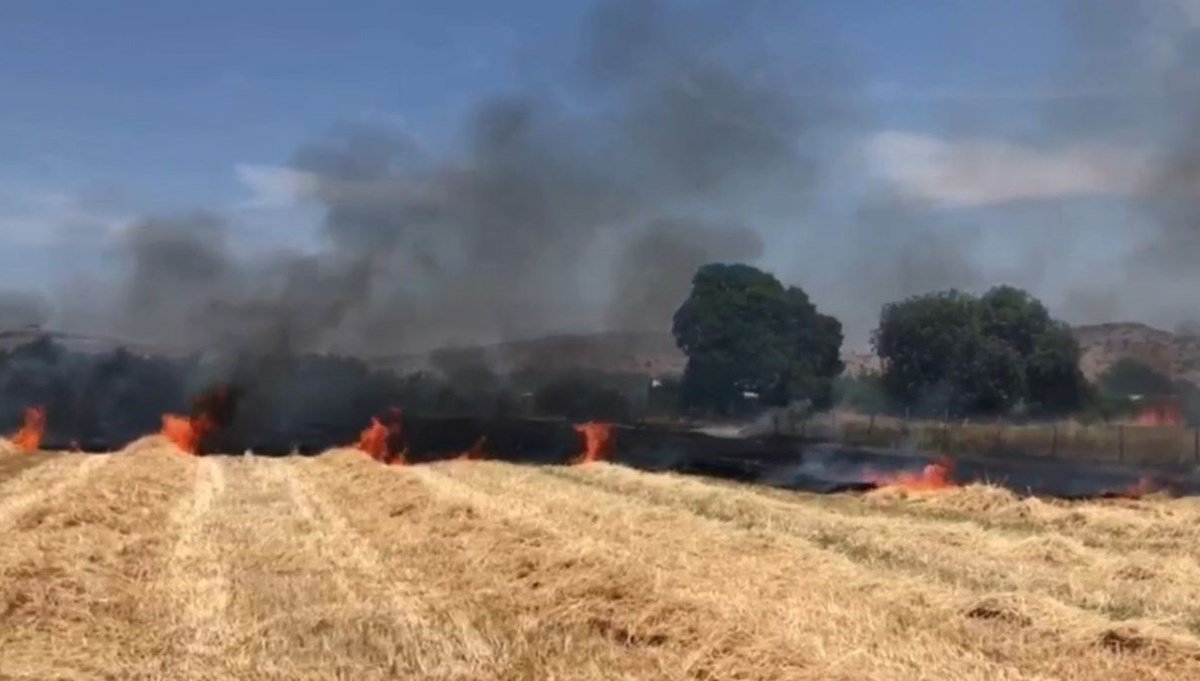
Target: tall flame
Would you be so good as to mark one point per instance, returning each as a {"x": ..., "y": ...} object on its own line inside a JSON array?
[
  {"x": 210, "y": 410},
  {"x": 29, "y": 437},
  {"x": 376, "y": 439},
  {"x": 598, "y": 441},
  {"x": 186, "y": 432},
  {"x": 933, "y": 476}
]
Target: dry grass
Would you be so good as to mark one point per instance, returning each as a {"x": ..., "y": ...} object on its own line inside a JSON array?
[
  {"x": 1151, "y": 445},
  {"x": 152, "y": 565}
]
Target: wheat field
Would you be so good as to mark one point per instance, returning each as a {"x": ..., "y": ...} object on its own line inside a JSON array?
[{"x": 148, "y": 564}]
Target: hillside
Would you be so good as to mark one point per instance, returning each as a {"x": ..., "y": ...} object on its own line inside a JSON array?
[{"x": 1176, "y": 355}]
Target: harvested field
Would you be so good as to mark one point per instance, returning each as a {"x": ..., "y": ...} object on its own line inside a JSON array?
[{"x": 147, "y": 564}]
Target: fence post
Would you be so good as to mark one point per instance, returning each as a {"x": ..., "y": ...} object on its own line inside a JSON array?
[
  {"x": 871, "y": 426},
  {"x": 1120, "y": 442},
  {"x": 1054, "y": 441}
]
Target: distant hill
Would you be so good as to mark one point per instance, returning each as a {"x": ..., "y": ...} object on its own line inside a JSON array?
[{"x": 1175, "y": 355}]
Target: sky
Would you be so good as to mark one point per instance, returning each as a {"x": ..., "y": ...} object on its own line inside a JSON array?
[{"x": 114, "y": 111}]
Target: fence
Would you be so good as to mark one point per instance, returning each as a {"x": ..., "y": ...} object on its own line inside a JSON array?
[{"x": 1124, "y": 443}]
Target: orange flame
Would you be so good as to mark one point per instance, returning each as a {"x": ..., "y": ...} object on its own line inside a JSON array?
[
  {"x": 1163, "y": 415},
  {"x": 934, "y": 476},
  {"x": 209, "y": 411},
  {"x": 376, "y": 439},
  {"x": 598, "y": 441},
  {"x": 186, "y": 432},
  {"x": 29, "y": 437},
  {"x": 476, "y": 452}
]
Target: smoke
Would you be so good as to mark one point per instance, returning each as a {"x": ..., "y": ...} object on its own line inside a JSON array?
[
  {"x": 23, "y": 309},
  {"x": 1145, "y": 53},
  {"x": 655, "y": 267},
  {"x": 578, "y": 210}
]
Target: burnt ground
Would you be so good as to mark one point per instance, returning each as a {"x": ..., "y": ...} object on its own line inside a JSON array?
[{"x": 789, "y": 463}]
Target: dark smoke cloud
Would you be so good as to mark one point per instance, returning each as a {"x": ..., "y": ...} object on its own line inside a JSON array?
[
  {"x": 550, "y": 215},
  {"x": 676, "y": 139},
  {"x": 655, "y": 267}
]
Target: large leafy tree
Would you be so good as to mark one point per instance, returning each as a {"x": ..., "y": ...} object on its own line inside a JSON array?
[
  {"x": 1129, "y": 377},
  {"x": 951, "y": 352},
  {"x": 742, "y": 330}
]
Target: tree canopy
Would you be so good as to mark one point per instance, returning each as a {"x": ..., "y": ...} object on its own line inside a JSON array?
[
  {"x": 742, "y": 330},
  {"x": 1128, "y": 377},
  {"x": 952, "y": 352}
]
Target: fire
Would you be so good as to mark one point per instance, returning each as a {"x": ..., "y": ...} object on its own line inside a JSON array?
[
  {"x": 209, "y": 411},
  {"x": 598, "y": 441},
  {"x": 1159, "y": 416},
  {"x": 29, "y": 437},
  {"x": 376, "y": 439},
  {"x": 476, "y": 452},
  {"x": 934, "y": 476},
  {"x": 186, "y": 432}
]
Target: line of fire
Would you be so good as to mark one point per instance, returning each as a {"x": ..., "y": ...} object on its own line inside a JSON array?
[{"x": 306, "y": 406}]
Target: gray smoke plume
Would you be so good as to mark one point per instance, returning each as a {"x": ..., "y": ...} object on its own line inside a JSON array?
[
  {"x": 549, "y": 216},
  {"x": 1145, "y": 54}
]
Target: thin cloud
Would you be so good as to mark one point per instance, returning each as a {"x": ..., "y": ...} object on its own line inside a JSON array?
[
  {"x": 977, "y": 172},
  {"x": 274, "y": 186},
  {"x": 47, "y": 218}
]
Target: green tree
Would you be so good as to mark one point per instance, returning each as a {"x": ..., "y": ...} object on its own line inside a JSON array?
[
  {"x": 743, "y": 331},
  {"x": 1130, "y": 377},
  {"x": 951, "y": 352}
]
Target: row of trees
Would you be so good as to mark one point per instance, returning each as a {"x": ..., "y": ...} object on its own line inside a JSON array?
[{"x": 946, "y": 354}]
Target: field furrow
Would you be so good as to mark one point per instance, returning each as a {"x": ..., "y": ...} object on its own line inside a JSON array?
[
  {"x": 79, "y": 569},
  {"x": 150, "y": 564},
  {"x": 197, "y": 581},
  {"x": 1120, "y": 585},
  {"x": 941, "y": 624},
  {"x": 35, "y": 483},
  {"x": 547, "y": 608}
]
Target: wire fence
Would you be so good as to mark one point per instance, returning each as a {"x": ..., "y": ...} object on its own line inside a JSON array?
[{"x": 1110, "y": 442}]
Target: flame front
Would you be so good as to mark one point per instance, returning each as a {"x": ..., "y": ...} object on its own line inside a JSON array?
[
  {"x": 210, "y": 411},
  {"x": 185, "y": 432},
  {"x": 1166, "y": 415},
  {"x": 598, "y": 441},
  {"x": 29, "y": 437},
  {"x": 934, "y": 476},
  {"x": 376, "y": 439}
]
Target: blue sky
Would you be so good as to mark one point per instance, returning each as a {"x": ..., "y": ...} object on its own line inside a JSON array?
[{"x": 112, "y": 110}]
